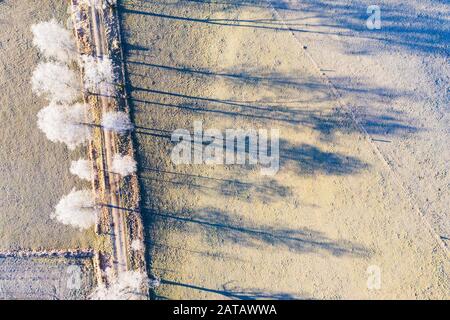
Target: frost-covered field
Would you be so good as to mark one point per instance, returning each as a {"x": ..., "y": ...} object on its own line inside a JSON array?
[
  {"x": 335, "y": 213},
  {"x": 34, "y": 172},
  {"x": 45, "y": 278}
]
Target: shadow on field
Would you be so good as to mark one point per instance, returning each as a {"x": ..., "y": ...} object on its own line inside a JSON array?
[
  {"x": 402, "y": 27},
  {"x": 307, "y": 159},
  {"x": 303, "y": 159},
  {"x": 266, "y": 190},
  {"x": 234, "y": 293},
  {"x": 221, "y": 228},
  {"x": 285, "y": 112},
  {"x": 161, "y": 87}
]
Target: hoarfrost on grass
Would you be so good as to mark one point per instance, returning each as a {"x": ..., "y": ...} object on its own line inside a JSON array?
[
  {"x": 55, "y": 81},
  {"x": 123, "y": 165},
  {"x": 76, "y": 209},
  {"x": 117, "y": 121},
  {"x": 54, "y": 41},
  {"x": 82, "y": 168},
  {"x": 66, "y": 124},
  {"x": 126, "y": 286}
]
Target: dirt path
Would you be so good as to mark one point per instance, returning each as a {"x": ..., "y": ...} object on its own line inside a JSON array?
[
  {"x": 331, "y": 214},
  {"x": 113, "y": 180}
]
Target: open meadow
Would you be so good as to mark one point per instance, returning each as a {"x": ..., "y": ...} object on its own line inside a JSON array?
[
  {"x": 34, "y": 172},
  {"x": 335, "y": 187},
  {"x": 342, "y": 206}
]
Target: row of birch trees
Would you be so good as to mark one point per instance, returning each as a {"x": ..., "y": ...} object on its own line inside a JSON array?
[{"x": 66, "y": 119}]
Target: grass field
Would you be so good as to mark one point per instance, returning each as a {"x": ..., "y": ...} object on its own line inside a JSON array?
[
  {"x": 332, "y": 213},
  {"x": 45, "y": 278},
  {"x": 363, "y": 121},
  {"x": 34, "y": 172}
]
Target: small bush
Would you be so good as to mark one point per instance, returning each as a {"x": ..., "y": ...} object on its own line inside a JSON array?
[
  {"x": 137, "y": 245},
  {"x": 82, "y": 168},
  {"x": 117, "y": 121},
  {"x": 123, "y": 165},
  {"x": 127, "y": 286},
  {"x": 99, "y": 75},
  {"x": 99, "y": 4}
]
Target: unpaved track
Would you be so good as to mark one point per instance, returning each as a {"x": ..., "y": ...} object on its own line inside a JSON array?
[{"x": 118, "y": 235}]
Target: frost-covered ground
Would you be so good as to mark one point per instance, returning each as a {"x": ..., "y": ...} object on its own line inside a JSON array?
[
  {"x": 34, "y": 172},
  {"x": 396, "y": 80},
  {"x": 45, "y": 278},
  {"x": 363, "y": 117}
]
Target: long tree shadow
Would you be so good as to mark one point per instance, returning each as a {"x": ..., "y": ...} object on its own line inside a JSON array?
[
  {"x": 306, "y": 159},
  {"x": 221, "y": 22},
  {"x": 223, "y": 4},
  {"x": 402, "y": 27},
  {"x": 237, "y": 74},
  {"x": 266, "y": 190},
  {"x": 303, "y": 159},
  {"x": 326, "y": 123},
  {"x": 163, "y": 247},
  {"x": 315, "y": 88},
  {"x": 234, "y": 293},
  {"x": 247, "y": 234}
]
